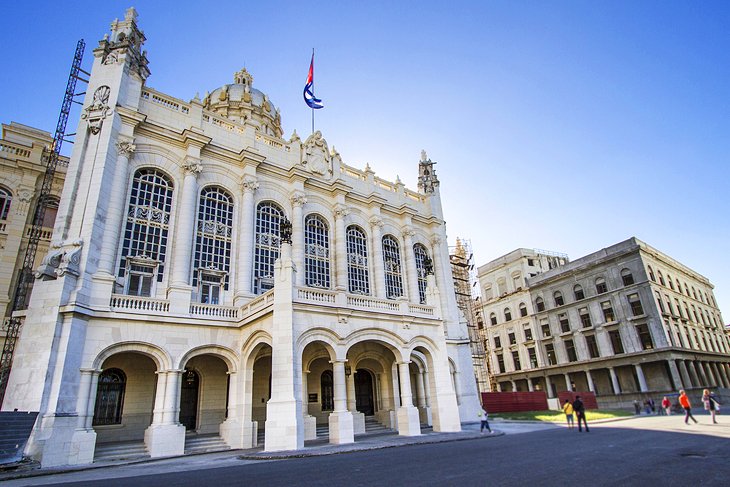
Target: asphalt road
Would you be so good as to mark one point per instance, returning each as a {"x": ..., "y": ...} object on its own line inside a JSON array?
[{"x": 644, "y": 451}]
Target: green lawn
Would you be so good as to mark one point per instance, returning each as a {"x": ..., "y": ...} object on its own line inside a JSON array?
[{"x": 558, "y": 417}]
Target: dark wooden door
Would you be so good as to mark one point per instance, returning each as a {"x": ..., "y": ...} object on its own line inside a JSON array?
[
  {"x": 189, "y": 399},
  {"x": 364, "y": 392}
]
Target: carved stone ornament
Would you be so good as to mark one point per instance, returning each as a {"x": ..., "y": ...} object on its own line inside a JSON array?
[
  {"x": 125, "y": 147},
  {"x": 25, "y": 194},
  {"x": 317, "y": 157},
  {"x": 192, "y": 166},
  {"x": 408, "y": 231},
  {"x": 62, "y": 258},
  {"x": 341, "y": 211},
  {"x": 376, "y": 221},
  {"x": 95, "y": 113},
  {"x": 298, "y": 199},
  {"x": 249, "y": 184},
  {"x": 111, "y": 58},
  {"x": 436, "y": 240}
]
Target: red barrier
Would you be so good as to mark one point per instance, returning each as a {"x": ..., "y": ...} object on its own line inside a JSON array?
[
  {"x": 588, "y": 398},
  {"x": 507, "y": 402}
]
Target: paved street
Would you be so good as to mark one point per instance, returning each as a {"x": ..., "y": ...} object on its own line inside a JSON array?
[{"x": 647, "y": 450}]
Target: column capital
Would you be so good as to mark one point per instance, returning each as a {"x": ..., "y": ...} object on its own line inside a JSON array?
[
  {"x": 341, "y": 211},
  {"x": 408, "y": 231},
  {"x": 125, "y": 146},
  {"x": 249, "y": 184},
  {"x": 436, "y": 240},
  {"x": 298, "y": 199},
  {"x": 338, "y": 361},
  {"x": 192, "y": 166},
  {"x": 376, "y": 221}
]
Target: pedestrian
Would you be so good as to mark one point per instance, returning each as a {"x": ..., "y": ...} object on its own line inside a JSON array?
[
  {"x": 483, "y": 416},
  {"x": 580, "y": 412},
  {"x": 647, "y": 407},
  {"x": 568, "y": 410},
  {"x": 652, "y": 405},
  {"x": 666, "y": 406},
  {"x": 684, "y": 402},
  {"x": 711, "y": 404},
  {"x": 637, "y": 406}
]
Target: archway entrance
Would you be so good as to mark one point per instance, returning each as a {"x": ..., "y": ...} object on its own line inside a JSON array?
[
  {"x": 364, "y": 401},
  {"x": 189, "y": 399}
]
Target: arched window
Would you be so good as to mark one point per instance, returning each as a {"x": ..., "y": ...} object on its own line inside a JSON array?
[
  {"x": 670, "y": 282},
  {"x": 679, "y": 287},
  {"x": 661, "y": 278},
  {"x": 507, "y": 314},
  {"x": 558, "y": 297},
  {"x": 316, "y": 252},
  {"x": 601, "y": 286},
  {"x": 686, "y": 290},
  {"x": 493, "y": 318},
  {"x": 651, "y": 274},
  {"x": 627, "y": 277},
  {"x": 357, "y": 261},
  {"x": 539, "y": 304},
  {"x": 5, "y": 199},
  {"x": 578, "y": 292},
  {"x": 146, "y": 231},
  {"x": 268, "y": 218},
  {"x": 49, "y": 215},
  {"x": 392, "y": 267},
  {"x": 523, "y": 309},
  {"x": 213, "y": 244},
  {"x": 327, "y": 390},
  {"x": 694, "y": 293},
  {"x": 421, "y": 255},
  {"x": 110, "y": 397}
]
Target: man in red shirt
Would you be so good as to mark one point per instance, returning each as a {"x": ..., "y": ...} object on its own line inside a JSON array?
[{"x": 684, "y": 402}]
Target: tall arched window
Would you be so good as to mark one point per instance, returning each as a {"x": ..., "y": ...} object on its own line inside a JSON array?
[
  {"x": 110, "y": 397},
  {"x": 578, "y": 292},
  {"x": 507, "y": 314},
  {"x": 601, "y": 286},
  {"x": 539, "y": 304},
  {"x": 651, "y": 274},
  {"x": 627, "y": 277},
  {"x": 327, "y": 390},
  {"x": 49, "y": 216},
  {"x": 357, "y": 261},
  {"x": 558, "y": 297},
  {"x": 391, "y": 264},
  {"x": 213, "y": 244},
  {"x": 146, "y": 231},
  {"x": 316, "y": 252},
  {"x": 661, "y": 278},
  {"x": 523, "y": 309},
  {"x": 268, "y": 218},
  {"x": 5, "y": 199},
  {"x": 421, "y": 255}
]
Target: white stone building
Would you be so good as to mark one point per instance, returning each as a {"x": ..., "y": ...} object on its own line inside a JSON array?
[
  {"x": 173, "y": 301},
  {"x": 625, "y": 322}
]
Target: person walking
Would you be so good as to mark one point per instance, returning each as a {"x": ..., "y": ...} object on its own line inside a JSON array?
[
  {"x": 637, "y": 406},
  {"x": 684, "y": 402},
  {"x": 666, "y": 406},
  {"x": 580, "y": 412},
  {"x": 711, "y": 404},
  {"x": 483, "y": 416},
  {"x": 568, "y": 410}
]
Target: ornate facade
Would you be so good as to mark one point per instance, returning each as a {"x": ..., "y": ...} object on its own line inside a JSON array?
[{"x": 207, "y": 275}]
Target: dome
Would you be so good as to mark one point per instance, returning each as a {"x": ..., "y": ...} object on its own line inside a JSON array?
[{"x": 243, "y": 103}]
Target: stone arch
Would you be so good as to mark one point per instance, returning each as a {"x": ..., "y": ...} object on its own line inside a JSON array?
[
  {"x": 253, "y": 345},
  {"x": 268, "y": 191},
  {"x": 160, "y": 357},
  {"x": 390, "y": 340},
  {"x": 329, "y": 338},
  {"x": 228, "y": 356},
  {"x": 158, "y": 157}
]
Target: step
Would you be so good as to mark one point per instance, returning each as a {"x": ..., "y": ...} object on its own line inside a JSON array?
[
  {"x": 16, "y": 428},
  {"x": 195, "y": 443},
  {"x": 123, "y": 450}
]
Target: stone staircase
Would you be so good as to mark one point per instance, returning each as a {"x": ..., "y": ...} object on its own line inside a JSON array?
[
  {"x": 120, "y": 450},
  {"x": 195, "y": 443},
  {"x": 15, "y": 428},
  {"x": 373, "y": 427}
]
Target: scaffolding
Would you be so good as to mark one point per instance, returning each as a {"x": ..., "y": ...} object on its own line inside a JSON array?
[
  {"x": 24, "y": 281},
  {"x": 468, "y": 299}
]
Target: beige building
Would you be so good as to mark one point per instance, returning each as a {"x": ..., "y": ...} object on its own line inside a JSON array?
[
  {"x": 208, "y": 276},
  {"x": 625, "y": 322},
  {"x": 22, "y": 167}
]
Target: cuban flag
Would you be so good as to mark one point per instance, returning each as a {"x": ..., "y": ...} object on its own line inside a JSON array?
[{"x": 309, "y": 97}]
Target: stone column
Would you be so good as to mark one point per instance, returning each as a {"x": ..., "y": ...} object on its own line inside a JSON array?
[
  {"x": 530, "y": 386},
  {"x": 589, "y": 380},
  {"x": 115, "y": 210},
  {"x": 686, "y": 379},
  {"x": 83, "y": 439},
  {"x": 424, "y": 412},
  {"x": 341, "y": 211},
  {"x": 376, "y": 225},
  {"x": 94, "y": 384},
  {"x": 614, "y": 381},
  {"x": 310, "y": 422},
  {"x": 358, "y": 418},
  {"x": 674, "y": 376},
  {"x": 721, "y": 382},
  {"x": 340, "y": 420},
  {"x": 548, "y": 387},
  {"x": 568, "y": 385},
  {"x": 166, "y": 436},
  {"x": 642, "y": 380},
  {"x": 298, "y": 200},
  {"x": 712, "y": 381},
  {"x": 514, "y": 385},
  {"x": 411, "y": 270},
  {"x": 249, "y": 185},
  {"x": 408, "y": 421},
  {"x": 693, "y": 374}
]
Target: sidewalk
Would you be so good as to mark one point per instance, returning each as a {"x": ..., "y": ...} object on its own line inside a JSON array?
[{"x": 319, "y": 447}]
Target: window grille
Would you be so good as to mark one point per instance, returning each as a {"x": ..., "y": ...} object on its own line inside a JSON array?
[
  {"x": 357, "y": 261},
  {"x": 110, "y": 397},
  {"x": 392, "y": 266},
  {"x": 213, "y": 240},
  {"x": 268, "y": 218},
  {"x": 316, "y": 252},
  {"x": 421, "y": 256}
]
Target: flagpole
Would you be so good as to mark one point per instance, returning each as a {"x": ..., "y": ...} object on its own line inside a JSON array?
[{"x": 312, "y": 89}]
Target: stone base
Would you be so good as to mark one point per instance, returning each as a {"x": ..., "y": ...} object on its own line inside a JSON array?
[
  {"x": 284, "y": 426},
  {"x": 56, "y": 441},
  {"x": 424, "y": 415},
  {"x": 341, "y": 428},
  {"x": 165, "y": 440},
  {"x": 102, "y": 288},
  {"x": 408, "y": 422},
  {"x": 180, "y": 297},
  {"x": 358, "y": 422},
  {"x": 238, "y": 435},
  {"x": 310, "y": 427}
]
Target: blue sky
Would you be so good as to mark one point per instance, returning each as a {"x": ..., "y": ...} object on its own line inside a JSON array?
[{"x": 561, "y": 125}]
